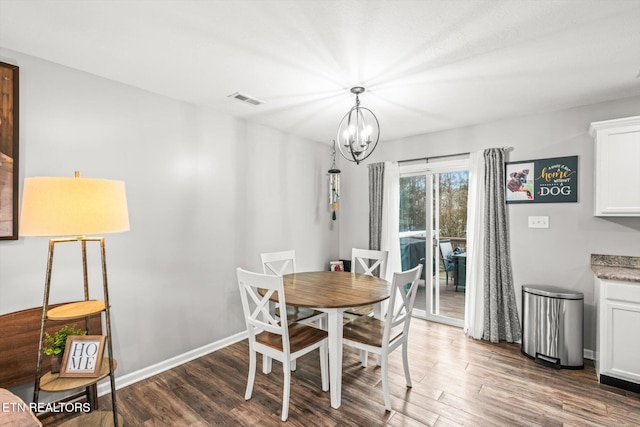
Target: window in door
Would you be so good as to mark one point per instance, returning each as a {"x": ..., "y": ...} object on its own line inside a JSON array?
[{"x": 433, "y": 217}]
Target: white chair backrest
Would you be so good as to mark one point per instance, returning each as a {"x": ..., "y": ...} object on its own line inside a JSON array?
[
  {"x": 279, "y": 263},
  {"x": 256, "y": 306},
  {"x": 403, "y": 295},
  {"x": 360, "y": 261}
]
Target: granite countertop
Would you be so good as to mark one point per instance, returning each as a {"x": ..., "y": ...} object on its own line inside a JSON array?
[{"x": 616, "y": 267}]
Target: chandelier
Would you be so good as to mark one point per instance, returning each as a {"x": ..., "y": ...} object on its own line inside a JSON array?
[{"x": 359, "y": 131}]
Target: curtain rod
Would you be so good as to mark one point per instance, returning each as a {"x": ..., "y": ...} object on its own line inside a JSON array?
[{"x": 426, "y": 159}]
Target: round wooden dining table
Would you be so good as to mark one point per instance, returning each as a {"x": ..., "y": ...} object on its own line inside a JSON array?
[{"x": 332, "y": 292}]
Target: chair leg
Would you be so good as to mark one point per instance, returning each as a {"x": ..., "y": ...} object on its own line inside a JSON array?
[
  {"x": 405, "y": 363},
  {"x": 252, "y": 374},
  {"x": 266, "y": 360},
  {"x": 287, "y": 388},
  {"x": 364, "y": 357},
  {"x": 293, "y": 365},
  {"x": 324, "y": 366},
  {"x": 385, "y": 381},
  {"x": 266, "y": 364}
]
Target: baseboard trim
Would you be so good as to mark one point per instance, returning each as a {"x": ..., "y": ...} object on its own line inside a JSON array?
[
  {"x": 588, "y": 354},
  {"x": 144, "y": 373},
  {"x": 619, "y": 383}
]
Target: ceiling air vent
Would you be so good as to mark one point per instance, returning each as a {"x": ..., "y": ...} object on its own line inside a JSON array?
[{"x": 246, "y": 98}]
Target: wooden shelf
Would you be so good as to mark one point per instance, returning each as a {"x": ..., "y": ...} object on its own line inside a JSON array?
[
  {"x": 97, "y": 418},
  {"x": 53, "y": 383},
  {"x": 75, "y": 310},
  {"x": 94, "y": 311}
]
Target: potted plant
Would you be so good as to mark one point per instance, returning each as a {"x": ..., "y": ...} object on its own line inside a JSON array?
[{"x": 54, "y": 345}]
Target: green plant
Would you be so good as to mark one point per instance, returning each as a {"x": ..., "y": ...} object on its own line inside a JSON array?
[{"x": 55, "y": 344}]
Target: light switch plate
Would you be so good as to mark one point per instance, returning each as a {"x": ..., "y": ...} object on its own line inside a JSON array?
[{"x": 538, "y": 222}]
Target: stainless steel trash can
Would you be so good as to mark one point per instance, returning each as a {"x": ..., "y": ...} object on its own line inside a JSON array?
[{"x": 553, "y": 326}]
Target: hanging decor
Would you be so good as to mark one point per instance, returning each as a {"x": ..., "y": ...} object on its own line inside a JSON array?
[
  {"x": 334, "y": 183},
  {"x": 553, "y": 180},
  {"x": 359, "y": 131}
]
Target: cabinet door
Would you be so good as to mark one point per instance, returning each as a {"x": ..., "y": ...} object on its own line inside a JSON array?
[
  {"x": 620, "y": 340},
  {"x": 617, "y": 174}
]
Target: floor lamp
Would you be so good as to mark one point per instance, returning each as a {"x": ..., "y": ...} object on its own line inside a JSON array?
[{"x": 65, "y": 206}]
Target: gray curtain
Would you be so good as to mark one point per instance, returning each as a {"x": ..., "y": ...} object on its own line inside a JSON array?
[
  {"x": 501, "y": 320},
  {"x": 376, "y": 187}
]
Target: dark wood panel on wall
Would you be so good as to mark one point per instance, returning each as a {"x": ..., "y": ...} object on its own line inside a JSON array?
[{"x": 19, "y": 336}]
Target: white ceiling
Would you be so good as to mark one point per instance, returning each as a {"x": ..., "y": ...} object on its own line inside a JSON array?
[{"x": 427, "y": 65}]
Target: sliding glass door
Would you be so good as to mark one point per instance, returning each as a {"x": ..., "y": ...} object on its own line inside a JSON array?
[{"x": 433, "y": 217}]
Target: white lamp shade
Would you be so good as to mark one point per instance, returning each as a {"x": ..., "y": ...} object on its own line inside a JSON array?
[{"x": 58, "y": 206}]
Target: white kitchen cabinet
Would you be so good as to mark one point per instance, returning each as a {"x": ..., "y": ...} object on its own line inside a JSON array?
[
  {"x": 618, "y": 333},
  {"x": 617, "y": 167}
]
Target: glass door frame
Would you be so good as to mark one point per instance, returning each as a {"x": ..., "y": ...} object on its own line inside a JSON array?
[{"x": 431, "y": 170}]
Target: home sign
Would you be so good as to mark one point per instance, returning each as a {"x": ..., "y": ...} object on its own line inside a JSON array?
[
  {"x": 553, "y": 180},
  {"x": 83, "y": 356}
]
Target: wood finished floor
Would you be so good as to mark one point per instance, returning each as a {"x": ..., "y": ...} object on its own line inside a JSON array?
[
  {"x": 456, "y": 381},
  {"x": 451, "y": 301}
]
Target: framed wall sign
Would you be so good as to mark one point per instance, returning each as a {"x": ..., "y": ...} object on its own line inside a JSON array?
[
  {"x": 553, "y": 180},
  {"x": 83, "y": 356},
  {"x": 8, "y": 151},
  {"x": 336, "y": 266}
]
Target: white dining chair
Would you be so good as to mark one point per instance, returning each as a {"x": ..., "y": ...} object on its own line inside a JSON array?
[
  {"x": 279, "y": 264},
  {"x": 381, "y": 337},
  {"x": 271, "y": 336},
  {"x": 366, "y": 261}
]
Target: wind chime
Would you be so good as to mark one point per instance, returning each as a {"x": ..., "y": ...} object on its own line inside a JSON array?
[{"x": 334, "y": 183}]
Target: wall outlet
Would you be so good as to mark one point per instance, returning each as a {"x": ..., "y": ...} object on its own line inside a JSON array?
[{"x": 538, "y": 222}]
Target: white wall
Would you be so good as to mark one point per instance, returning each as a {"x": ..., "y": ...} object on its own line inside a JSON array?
[
  {"x": 206, "y": 194},
  {"x": 557, "y": 256}
]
